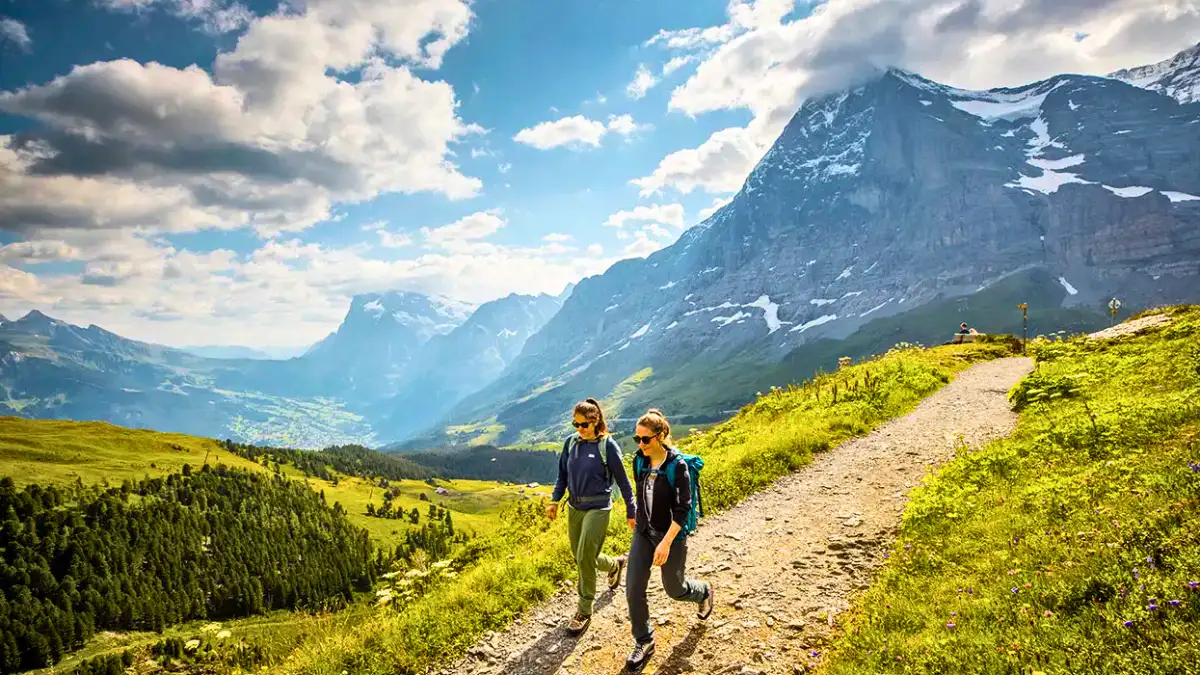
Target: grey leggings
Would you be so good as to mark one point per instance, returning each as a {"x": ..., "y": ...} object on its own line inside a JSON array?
[{"x": 679, "y": 587}]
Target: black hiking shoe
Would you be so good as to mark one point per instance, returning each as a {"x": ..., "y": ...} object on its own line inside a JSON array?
[
  {"x": 614, "y": 577},
  {"x": 579, "y": 624},
  {"x": 706, "y": 605},
  {"x": 639, "y": 658}
]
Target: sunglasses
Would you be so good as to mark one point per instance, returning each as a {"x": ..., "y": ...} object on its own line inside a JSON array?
[
  {"x": 581, "y": 425},
  {"x": 643, "y": 440}
]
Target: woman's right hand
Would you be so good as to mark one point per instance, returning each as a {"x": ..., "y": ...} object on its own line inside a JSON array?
[{"x": 552, "y": 511}]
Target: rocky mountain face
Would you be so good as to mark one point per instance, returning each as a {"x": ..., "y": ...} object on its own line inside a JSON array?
[
  {"x": 463, "y": 361},
  {"x": 875, "y": 202}
]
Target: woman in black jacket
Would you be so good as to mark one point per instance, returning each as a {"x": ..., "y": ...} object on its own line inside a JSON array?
[{"x": 659, "y": 539}]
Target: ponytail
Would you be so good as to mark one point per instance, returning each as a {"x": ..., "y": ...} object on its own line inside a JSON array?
[{"x": 590, "y": 409}]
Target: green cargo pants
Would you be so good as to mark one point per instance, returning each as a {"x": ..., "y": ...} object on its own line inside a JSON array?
[{"x": 588, "y": 530}]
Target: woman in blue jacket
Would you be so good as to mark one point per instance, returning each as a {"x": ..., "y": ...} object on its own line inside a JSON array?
[{"x": 589, "y": 463}]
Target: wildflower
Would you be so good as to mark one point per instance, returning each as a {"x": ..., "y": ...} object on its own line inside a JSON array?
[
  {"x": 1193, "y": 584},
  {"x": 971, "y": 591},
  {"x": 1128, "y": 624},
  {"x": 1048, "y": 613},
  {"x": 1014, "y": 590},
  {"x": 1174, "y": 603},
  {"x": 1028, "y": 585},
  {"x": 950, "y": 625},
  {"x": 814, "y": 653},
  {"x": 907, "y": 547},
  {"x": 1135, "y": 573},
  {"x": 1153, "y": 606},
  {"x": 953, "y": 613}
]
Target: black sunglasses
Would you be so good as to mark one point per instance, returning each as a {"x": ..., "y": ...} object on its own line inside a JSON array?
[
  {"x": 643, "y": 440},
  {"x": 581, "y": 425}
]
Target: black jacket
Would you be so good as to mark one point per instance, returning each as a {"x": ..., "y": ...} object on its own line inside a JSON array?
[{"x": 670, "y": 503}]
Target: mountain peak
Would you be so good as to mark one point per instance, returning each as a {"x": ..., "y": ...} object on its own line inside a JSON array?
[
  {"x": 37, "y": 318},
  {"x": 1177, "y": 77}
]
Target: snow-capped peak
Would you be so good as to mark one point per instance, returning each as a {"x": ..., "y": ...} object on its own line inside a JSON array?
[{"x": 1177, "y": 77}]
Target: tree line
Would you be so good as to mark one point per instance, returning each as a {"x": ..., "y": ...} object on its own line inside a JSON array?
[{"x": 214, "y": 543}]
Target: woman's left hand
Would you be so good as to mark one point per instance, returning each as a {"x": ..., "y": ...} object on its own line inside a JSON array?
[
  {"x": 632, "y": 524},
  {"x": 661, "y": 553}
]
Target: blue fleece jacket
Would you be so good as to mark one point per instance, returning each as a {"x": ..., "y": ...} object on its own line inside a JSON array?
[{"x": 582, "y": 475}]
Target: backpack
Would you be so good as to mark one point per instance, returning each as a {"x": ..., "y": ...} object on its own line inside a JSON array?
[{"x": 695, "y": 464}]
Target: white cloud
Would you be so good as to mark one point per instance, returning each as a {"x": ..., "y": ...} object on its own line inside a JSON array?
[
  {"x": 214, "y": 16},
  {"x": 504, "y": 168},
  {"x": 14, "y": 31},
  {"x": 32, "y": 252},
  {"x": 595, "y": 250},
  {"x": 476, "y": 153},
  {"x": 394, "y": 239},
  {"x": 468, "y": 228},
  {"x": 719, "y": 165},
  {"x": 676, "y": 63},
  {"x": 557, "y": 238},
  {"x": 643, "y": 80},
  {"x": 576, "y": 131},
  {"x": 761, "y": 63},
  {"x": 716, "y": 206},
  {"x": 271, "y": 139},
  {"x": 644, "y": 242},
  {"x": 669, "y": 214}
]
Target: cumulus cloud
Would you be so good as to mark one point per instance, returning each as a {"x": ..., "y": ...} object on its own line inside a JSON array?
[
  {"x": 717, "y": 203},
  {"x": 14, "y": 31},
  {"x": 469, "y": 228},
  {"x": 270, "y": 139},
  {"x": 719, "y": 165},
  {"x": 763, "y": 61},
  {"x": 213, "y": 16},
  {"x": 668, "y": 214},
  {"x": 643, "y": 81},
  {"x": 648, "y": 240},
  {"x": 557, "y": 238},
  {"x": 575, "y": 132},
  {"x": 33, "y": 252}
]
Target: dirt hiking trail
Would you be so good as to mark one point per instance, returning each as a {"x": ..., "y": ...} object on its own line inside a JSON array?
[{"x": 783, "y": 563}]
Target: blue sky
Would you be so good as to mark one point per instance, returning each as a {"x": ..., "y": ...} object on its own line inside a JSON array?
[{"x": 224, "y": 172}]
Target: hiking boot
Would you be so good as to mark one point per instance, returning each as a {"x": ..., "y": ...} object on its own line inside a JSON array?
[
  {"x": 614, "y": 577},
  {"x": 640, "y": 657},
  {"x": 706, "y": 605},
  {"x": 579, "y": 624}
]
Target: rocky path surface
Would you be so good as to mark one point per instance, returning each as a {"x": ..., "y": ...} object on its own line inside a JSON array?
[{"x": 783, "y": 563}]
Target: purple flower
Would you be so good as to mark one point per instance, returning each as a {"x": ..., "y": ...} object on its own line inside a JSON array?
[
  {"x": 950, "y": 625},
  {"x": 814, "y": 653},
  {"x": 1174, "y": 603},
  {"x": 1135, "y": 573},
  {"x": 1195, "y": 467},
  {"x": 1152, "y": 607},
  {"x": 1128, "y": 624},
  {"x": 953, "y": 613},
  {"x": 1193, "y": 584},
  {"x": 971, "y": 591},
  {"x": 907, "y": 547},
  {"x": 1014, "y": 590}
]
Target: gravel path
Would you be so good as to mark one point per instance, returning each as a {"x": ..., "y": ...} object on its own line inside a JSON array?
[{"x": 783, "y": 563}]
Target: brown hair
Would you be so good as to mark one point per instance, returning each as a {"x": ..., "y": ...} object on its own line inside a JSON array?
[
  {"x": 657, "y": 422},
  {"x": 590, "y": 409}
]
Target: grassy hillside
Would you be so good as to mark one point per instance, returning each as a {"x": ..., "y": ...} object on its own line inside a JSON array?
[
  {"x": 59, "y": 452},
  {"x": 1071, "y": 547},
  {"x": 778, "y": 433}
]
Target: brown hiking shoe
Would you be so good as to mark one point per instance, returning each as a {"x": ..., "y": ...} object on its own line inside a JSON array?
[
  {"x": 614, "y": 577},
  {"x": 579, "y": 624}
]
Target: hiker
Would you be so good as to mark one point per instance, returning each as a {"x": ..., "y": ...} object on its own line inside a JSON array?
[
  {"x": 590, "y": 460},
  {"x": 664, "y": 517},
  {"x": 962, "y": 329}
]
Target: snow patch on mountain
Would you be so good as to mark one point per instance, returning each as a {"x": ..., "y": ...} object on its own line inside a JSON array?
[
  {"x": 1180, "y": 196},
  {"x": 1128, "y": 192},
  {"x": 1067, "y": 285},
  {"x": 723, "y": 321},
  {"x": 815, "y": 322},
  {"x": 374, "y": 307},
  {"x": 1003, "y": 105},
  {"x": 770, "y": 312},
  {"x": 640, "y": 332}
]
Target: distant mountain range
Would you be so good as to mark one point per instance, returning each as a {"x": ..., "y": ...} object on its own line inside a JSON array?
[{"x": 890, "y": 211}]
